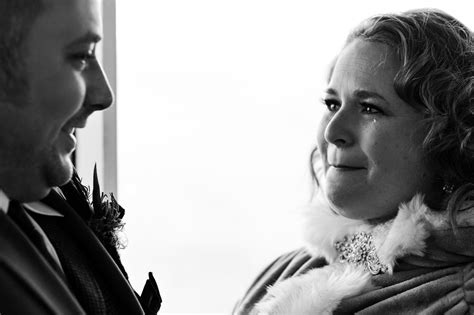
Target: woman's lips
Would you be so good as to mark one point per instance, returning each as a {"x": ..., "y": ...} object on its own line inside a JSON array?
[{"x": 342, "y": 167}]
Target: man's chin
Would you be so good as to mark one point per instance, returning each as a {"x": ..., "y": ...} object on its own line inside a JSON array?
[
  {"x": 59, "y": 173},
  {"x": 34, "y": 181}
]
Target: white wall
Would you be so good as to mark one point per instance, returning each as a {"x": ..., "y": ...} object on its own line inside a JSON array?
[{"x": 217, "y": 112}]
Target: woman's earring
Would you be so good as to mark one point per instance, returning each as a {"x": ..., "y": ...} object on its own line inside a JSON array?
[{"x": 448, "y": 188}]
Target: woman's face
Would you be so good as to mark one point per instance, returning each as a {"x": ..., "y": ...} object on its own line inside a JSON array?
[{"x": 369, "y": 139}]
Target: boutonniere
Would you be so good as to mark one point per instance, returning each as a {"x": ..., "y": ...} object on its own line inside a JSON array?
[
  {"x": 101, "y": 212},
  {"x": 106, "y": 220}
]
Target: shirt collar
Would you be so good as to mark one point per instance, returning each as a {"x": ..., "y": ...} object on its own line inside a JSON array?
[
  {"x": 42, "y": 208},
  {"x": 4, "y": 202},
  {"x": 36, "y": 207}
]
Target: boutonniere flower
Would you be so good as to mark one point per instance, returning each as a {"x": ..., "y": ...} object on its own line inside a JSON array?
[
  {"x": 101, "y": 212},
  {"x": 106, "y": 220}
]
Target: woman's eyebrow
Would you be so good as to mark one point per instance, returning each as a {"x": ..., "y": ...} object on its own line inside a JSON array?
[
  {"x": 331, "y": 91},
  {"x": 360, "y": 93},
  {"x": 368, "y": 94}
]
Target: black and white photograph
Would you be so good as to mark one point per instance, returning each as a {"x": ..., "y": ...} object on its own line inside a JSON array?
[{"x": 251, "y": 157}]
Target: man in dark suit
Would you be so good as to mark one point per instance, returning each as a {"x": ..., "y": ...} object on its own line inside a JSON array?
[{"x": 58, "y": 254}]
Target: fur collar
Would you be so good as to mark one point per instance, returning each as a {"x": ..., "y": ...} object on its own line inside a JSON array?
[{"x": 320, "y": 291}]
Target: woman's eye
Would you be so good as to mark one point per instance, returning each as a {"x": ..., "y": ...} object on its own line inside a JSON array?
[
  {"x": 332, "y": 105},
  {"x": 370, "y": 109}
]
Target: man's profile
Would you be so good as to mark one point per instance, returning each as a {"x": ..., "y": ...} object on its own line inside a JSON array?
[{"x": 51, "y": 260}]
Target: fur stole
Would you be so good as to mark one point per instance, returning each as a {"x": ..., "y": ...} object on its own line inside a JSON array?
[{"x": 320, "y": 290}]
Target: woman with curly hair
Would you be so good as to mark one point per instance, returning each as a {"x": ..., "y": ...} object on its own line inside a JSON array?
[{"x": 392, "y": 231}]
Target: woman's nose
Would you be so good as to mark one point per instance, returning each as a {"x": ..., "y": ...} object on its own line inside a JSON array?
[{"x": 340, "y": 128}]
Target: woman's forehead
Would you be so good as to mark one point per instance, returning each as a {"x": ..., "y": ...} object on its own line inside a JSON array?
[
  {"x": 368, "y": 57},
  {"x": 364, "y": 65}
]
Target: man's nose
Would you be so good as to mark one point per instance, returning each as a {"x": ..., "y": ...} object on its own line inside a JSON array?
[
  {"x": 339, "y": 130},
  {"x": 99, "y": 95}
]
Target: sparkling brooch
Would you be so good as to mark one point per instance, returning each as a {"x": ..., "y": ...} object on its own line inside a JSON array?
[{"x": 359, "y": 249}]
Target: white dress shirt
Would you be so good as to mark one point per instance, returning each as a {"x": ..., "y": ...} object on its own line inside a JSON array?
[{"x": 4, "y": 202}]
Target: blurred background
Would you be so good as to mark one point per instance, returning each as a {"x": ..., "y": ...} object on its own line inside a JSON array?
[{"x": 207, "y": 147}]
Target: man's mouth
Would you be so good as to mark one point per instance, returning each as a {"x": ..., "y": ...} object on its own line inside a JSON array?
[
  {"x": 68, "y": 139},
  {"x": 69, "y": 130},
  {"x": 71, "y": 126}
]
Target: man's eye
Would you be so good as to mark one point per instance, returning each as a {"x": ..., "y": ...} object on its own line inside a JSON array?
[
  {"x": 81, "y": 60},
  {"x": 332, "y": 105},
  {"x": 370, "y": 109}
]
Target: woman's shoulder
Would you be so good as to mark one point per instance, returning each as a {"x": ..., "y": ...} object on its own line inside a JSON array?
[{"x": 294, "y": 263}]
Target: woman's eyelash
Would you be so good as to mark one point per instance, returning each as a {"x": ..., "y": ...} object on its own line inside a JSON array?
[
  {"x": 369, "y": 108},
  {"x": 331, "y": 104}
]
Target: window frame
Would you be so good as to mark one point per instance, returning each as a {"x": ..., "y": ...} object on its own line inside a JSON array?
[{"x": 97, "y": 143}]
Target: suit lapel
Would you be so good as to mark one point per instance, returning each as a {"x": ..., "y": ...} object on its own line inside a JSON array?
[
  {"x": 21, "y": 259},
  {"x": 96, "y": 253}
]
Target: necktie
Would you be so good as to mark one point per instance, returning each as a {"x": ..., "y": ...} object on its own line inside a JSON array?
[
  {"x": 20, "y": 217},
  {"x": 84, "y": 280}
]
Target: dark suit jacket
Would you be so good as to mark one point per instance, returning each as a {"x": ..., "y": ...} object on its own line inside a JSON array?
[{"x": 28, "y": 285}]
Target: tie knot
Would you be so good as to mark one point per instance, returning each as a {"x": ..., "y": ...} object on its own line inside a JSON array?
[
  {"x": 13, "y": 204},
  {"x": 18, "y": 214},
  {"x": 15, "y": 209}
]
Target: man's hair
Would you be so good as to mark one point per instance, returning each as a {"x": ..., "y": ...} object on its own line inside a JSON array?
[
  {"x": 435, "y": 52},
  {"x": 16, "y": 19}
]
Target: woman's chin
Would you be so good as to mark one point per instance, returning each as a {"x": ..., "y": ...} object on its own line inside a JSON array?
[
  {"x": 342, "y": 203},
  {"x": 358, "y": 208}
]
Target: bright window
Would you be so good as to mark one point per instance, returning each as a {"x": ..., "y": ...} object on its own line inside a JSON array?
[{"x": 217, "y": 110}]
